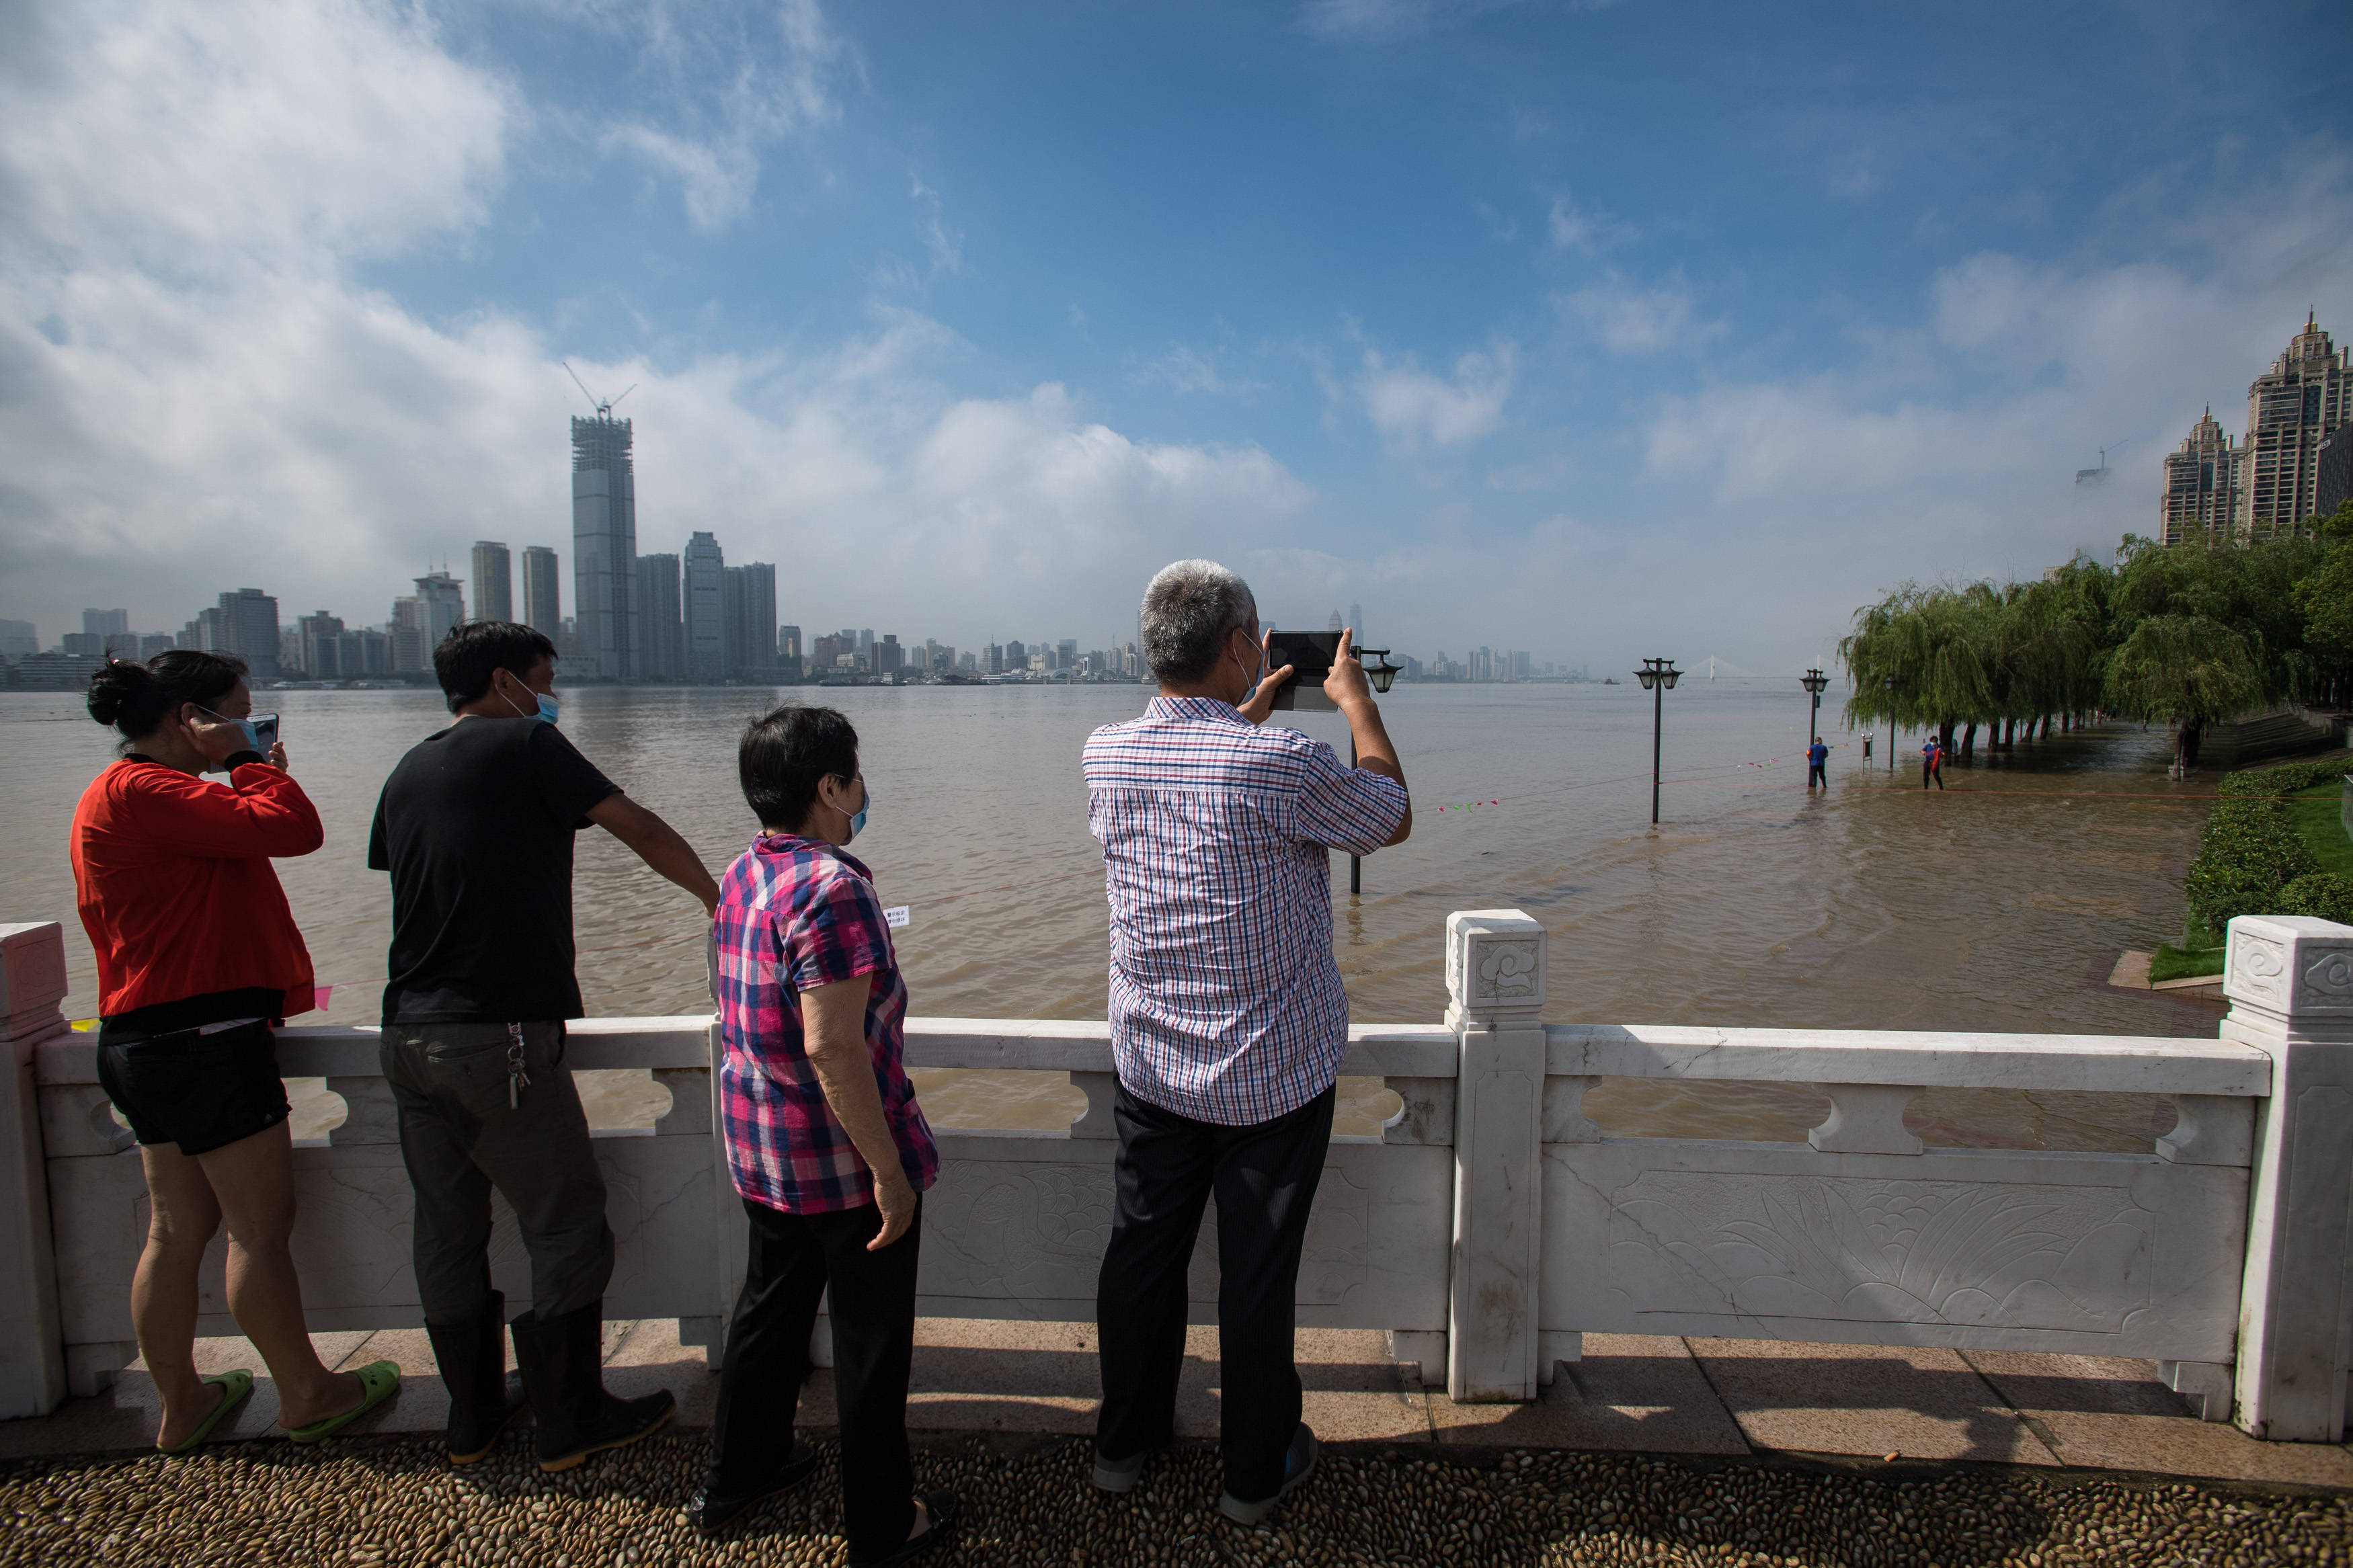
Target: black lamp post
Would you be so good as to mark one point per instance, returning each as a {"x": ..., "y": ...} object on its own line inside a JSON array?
[
  {"x": 1658, "y": 676},
  {"x": 1813, "y": 680},
  {"x": 1891, "y": 723},
  {"x": 1382, "y": 676}
]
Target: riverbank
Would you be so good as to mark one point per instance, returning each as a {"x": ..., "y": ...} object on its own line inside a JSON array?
[{"x": 394, "y": 1502}]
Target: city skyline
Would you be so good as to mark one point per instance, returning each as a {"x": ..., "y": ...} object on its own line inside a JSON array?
[{"x": 1546, "y": 321}]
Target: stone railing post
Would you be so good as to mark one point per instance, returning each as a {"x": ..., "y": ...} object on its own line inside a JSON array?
[
  {"x": 32, "y": 1345},
  {"x": 1495, "y": 990},
  {"x": 2290, "y": 983}
]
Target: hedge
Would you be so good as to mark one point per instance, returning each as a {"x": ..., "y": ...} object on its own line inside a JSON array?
[
  {"x": 2324, "y": 895},
  {"x": 2251, "y": 852}
]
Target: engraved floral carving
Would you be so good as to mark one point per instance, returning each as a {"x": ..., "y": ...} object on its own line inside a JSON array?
[
  {"x": 2257, "y": 968},
  {"x": 1874, "y": 1250},
  {"x": 2328, "y": 978},
  {"x": 1507, "y": 971}
]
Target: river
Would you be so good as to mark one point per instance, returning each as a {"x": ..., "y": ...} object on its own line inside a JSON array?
[{"x": 1997, "y": 904}]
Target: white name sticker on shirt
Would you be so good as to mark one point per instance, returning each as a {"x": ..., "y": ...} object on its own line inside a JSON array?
[{"x": 897, "y": 917}]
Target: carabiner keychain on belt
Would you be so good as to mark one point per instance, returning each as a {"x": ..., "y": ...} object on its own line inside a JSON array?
[{"x": 517, "y": 1080}]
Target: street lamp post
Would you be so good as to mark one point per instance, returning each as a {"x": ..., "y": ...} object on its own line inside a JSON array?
[
  {"x": 1891, "y": 723},
  {"x": 1658, "y": 676},
  {"x": 1813, "y": 680},
  {"x": 1381, "y": 675}
]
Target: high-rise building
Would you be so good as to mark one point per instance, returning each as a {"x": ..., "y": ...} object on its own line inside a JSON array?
[
  {"x": 789, "y": 649},
  {"x": 1066, "y": 655},
  {"x": 2204, "y": 479},
  {"x": 105, "y": 623},
  {"x": 889, "y": 658},
  {"x": 250, "y": 620},
  {"x": 703, "y": 584},
  {"x": 405, "y": 636},
  {"x": 747, "y": 618},
  {"x": 1357, "y": 621},
  {"x": 322, "y": 639},
  {"x": 1015, "y": 656},
  {"x": 18, "y": 640},
  {"x": 2290, "y": 409},
  {"x": 493, "y": 582},
  {"x": 208, "y": 633},
  {"x": 603, "y": 547},
  {"x": 152, "y": 643},
  {"x": 661, "y": 633},
  {"x": 2336, "y": 471},
  {"x": 445, "y": 607},
  {"x": 542, "y": 607}
]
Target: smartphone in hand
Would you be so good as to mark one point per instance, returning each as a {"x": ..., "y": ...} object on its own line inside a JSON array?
[{"x": 265, "y": 731}]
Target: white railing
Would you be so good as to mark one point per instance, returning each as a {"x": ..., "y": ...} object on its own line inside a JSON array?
[{"x": 1486, "y": 1227}]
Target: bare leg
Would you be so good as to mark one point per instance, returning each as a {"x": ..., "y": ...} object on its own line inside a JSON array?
[
  {"x": 180, "y": 1219},
  {"x": 253, "y": 1179}
]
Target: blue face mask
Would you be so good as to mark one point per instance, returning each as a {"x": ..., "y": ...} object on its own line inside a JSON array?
[
  {"x": 546, "y": 714},
  {"x": 865, "y": 804}
]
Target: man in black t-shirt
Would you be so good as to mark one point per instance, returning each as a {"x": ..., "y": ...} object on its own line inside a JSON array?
[{"x": 476, "y": 826}]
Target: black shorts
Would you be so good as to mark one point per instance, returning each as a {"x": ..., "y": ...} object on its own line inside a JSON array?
[{"x": 203, "y": 1091}]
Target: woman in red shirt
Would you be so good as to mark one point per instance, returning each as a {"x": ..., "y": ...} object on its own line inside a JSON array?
[{"x": 197, "y": 957}]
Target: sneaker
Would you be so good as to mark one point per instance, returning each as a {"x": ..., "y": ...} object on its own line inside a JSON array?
[{"x": 1297, "y": 1466}]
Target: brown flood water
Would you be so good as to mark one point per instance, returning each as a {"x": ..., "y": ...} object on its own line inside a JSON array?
[{"x": 1999, "y": 903}]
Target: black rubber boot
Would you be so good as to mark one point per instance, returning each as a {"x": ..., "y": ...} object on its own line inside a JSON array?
[
  {"x": 562, "y": 1371},
  {"x": 483, "y": 1398}
]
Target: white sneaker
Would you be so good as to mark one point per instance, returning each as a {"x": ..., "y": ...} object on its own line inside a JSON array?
[{"x": 1297, "y": 1466}]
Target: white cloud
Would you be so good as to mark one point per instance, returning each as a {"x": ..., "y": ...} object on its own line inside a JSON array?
[
  {"x": 206, "y": 397},
  {"x": 1409, "y": 406},
  {"x": 773, "y": 65},
  {"x": 1574, "y": 229},
  {"x": 944, "y": 245},
  {"x": 1184, "y": 368},
  {"x": 1631, "y": 320},
  {"x": 1386, "y": 21}
]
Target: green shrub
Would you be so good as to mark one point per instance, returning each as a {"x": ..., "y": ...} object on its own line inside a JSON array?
[
  {"x": 2323, "y": 895},
  {"x": 2250, "y": 849}
]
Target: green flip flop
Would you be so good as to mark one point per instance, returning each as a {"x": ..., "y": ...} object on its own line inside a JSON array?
[
  {"x": 234, "y": 1386},
  {"x": 378, "y": 1379}
]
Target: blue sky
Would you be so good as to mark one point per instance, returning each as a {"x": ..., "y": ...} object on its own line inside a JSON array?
[{"x": 1594, "y": 331}]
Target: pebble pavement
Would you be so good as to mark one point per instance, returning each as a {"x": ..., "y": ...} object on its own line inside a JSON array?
[{"x": 394, "y": 1502}]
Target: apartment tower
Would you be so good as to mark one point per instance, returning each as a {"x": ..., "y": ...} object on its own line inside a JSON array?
[
  {"x": 702, "y": 582},
  {"x": 2290, "y": 410},
  {"x": 542, "y": 605},
  {"x": 493, "y": 582},
  {"x": 2205, "y": 479}
]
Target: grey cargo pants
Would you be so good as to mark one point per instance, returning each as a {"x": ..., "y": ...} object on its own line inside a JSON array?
[{"x": 461, "y": 1137}]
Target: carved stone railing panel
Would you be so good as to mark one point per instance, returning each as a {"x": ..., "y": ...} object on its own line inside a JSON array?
[
  {"x": 1565, "y": 1121},
  {"x": 690, "y": 1102},
  {"x": 370, "y": 1114},
  {"x": 2209, "y": 1130},
  {"x": 1865, "y": 1119},
  {"x": 1095, "y": 1120},
  {"x": 1425, "y": 1112},
  {"x": 2117, "y": 1254}
]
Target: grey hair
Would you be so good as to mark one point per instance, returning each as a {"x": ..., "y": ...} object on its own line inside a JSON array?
[{"x": 1189, "y": 611}]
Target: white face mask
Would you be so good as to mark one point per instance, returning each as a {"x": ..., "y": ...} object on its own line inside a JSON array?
[{"x": 1253, "y": 679}]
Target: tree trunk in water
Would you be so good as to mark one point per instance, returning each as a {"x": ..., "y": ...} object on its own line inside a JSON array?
[
  {"x": 1944, "y": 737},
  {"x": 2046, "y": 727},
  {"x": 2066, "y": 721},
  {"x": 1969, "y": 742}
]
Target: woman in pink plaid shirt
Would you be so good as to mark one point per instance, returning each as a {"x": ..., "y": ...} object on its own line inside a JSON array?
[{"x": 825, "y": 1144}]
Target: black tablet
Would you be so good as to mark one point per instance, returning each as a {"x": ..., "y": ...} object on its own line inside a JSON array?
[{"x": 1310, "y": 655}]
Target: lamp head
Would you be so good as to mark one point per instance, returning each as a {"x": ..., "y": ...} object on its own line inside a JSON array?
[
  {"x": 1671, "y": 675},
  {"x": 1649, "y": 678},
  {"x": 1382, "y": 674}
]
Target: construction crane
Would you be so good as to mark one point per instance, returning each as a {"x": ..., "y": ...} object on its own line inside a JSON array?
[
  {"x": 2098, "y": 476},
  {"x": 603, "y": 407}
]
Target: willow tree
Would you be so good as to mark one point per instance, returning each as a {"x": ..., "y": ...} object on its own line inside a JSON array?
[
  {"x": 2186, "y": 670},
  {"x": 1922, "y": 656}
]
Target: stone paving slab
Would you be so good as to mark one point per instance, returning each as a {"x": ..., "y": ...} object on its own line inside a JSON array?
[
  {"x": 1630, "y": 1393},
  {"x": 1871, "y": 1400},
  {"x": 1642, "y": 1392}
]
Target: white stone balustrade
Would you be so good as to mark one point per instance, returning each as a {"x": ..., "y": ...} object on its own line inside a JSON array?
[{"x": 1488, "y": 1227}]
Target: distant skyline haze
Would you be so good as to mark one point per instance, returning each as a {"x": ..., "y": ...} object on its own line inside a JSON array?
[{"x": 1592, "y": 330}]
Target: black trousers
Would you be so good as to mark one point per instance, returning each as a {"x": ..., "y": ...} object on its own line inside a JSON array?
[
  {"x": 1264, "y": 1177},
  {"x": 794, "y": 1259},
  {"x": 461, "y": 1135},
  {"x": 1817, "y": 774}
]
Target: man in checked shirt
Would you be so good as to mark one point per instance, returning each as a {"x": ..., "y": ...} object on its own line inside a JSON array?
[{"x": 1227, "y": 1019}]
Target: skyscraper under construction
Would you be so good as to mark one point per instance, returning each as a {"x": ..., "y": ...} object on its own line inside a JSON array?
[{"x": 603, "y": 547}]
